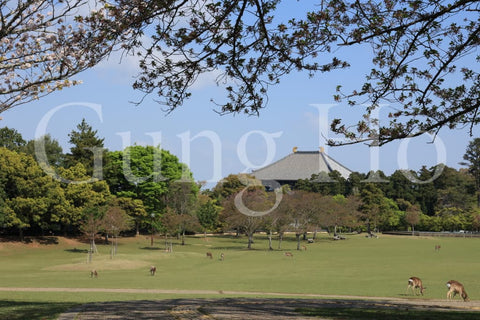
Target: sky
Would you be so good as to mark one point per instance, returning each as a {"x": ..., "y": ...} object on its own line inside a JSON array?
[{"x": 214, "y": 146}]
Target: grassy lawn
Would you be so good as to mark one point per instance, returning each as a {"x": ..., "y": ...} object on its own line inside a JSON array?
[{"x": 356, "y": 266}]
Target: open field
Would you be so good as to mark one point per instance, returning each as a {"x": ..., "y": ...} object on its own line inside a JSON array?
[{"x": 354, "y": 267}]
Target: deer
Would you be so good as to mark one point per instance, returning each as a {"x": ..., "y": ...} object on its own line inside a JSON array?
[
  {"x": 288, "y": 254},
  {"x": 414, "y": 283},
  {"x": 222, "y": 256},
  {"x": 437, "y": 247},
  {"x": 304, "y": 248},
  {"x": 456, "y": 287},
  {"x": 209, "y": 255},
  {"x": 93, "y": 274},
  {"x": 153, "y": 269}
]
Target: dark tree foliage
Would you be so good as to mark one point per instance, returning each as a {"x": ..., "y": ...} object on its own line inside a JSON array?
[
  {"x": 472, "y": 160},
  {"x": 53, "y": 150},
  {"x": 11, "y": 139}
]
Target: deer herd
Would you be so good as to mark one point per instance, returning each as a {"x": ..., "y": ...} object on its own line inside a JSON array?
[{"x": 453, "y": 287}]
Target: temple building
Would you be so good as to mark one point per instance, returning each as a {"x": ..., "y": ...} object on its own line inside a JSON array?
[{"x": 299, "y": 165}]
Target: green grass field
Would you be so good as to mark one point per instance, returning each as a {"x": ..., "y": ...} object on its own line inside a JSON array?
[{"x": 357, "y": 266}]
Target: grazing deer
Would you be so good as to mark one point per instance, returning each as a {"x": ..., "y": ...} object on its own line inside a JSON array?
[
  {"x": 222, "y": 256},
  {"x": 437, "y": 247},
  {"x": 209, "y": 255},
  {"x": 288, "y": 254},
  {"x": 456, "y": 287},
  {"x": 93, "y": 274},
  {"x": 304, "y": 248},
  {"x": 153, "y": 269},
  {"x": 414, "y": 283}
]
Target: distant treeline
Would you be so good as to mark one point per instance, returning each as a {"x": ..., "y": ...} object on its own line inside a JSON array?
[{"x": 92, "y": 190}]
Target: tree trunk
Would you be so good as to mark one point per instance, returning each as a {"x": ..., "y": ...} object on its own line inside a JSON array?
[
  {"x": 270, "y": 240},
  {"x": 183, "y": 237},
  {"x": 297, "y": 235},
  {"x": 250, "y": 240},
  {"x": 280, "y": 238}
]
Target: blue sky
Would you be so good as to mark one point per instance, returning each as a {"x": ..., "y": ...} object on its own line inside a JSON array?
[{"x": 296, "y": 113}]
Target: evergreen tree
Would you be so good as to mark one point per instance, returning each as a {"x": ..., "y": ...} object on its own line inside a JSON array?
[
  {"x": 86, "y": 148},
  {"x": 472, "y": 160}
]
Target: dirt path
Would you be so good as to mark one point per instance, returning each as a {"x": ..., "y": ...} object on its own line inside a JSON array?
[{"x": 281, "y": 307}]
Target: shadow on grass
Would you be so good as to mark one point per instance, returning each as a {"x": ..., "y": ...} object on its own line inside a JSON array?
[
  {"x": 152, "y": 248},
  {"x": 44, "y": 240},
  {"x": 75, "y": 250},
  {"x": 24, "y": 310},
  {"x": 391, "y": 314}
]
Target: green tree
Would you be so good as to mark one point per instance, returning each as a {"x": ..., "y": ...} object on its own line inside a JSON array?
[
  {"x": 412, "y": 216},
  {"x": 80, "y": 195},
  {"x": 427, "y": 196},
  {"x": 372, "y": 198},
  {"x": 53, "y": 151},
  {"x": 228, "y": 186},
  {"x": 472, "y": 160},
  {"x": 182, "y": 197},
  {"x": 31, "y": 199},
  {"x": 455, "y": 189},
  {"x": 207, "y": 213},
  {"x": 400, "y": 187},
  {"x": 326, "y": 184},
  {"x": 134, "y": 208},
  {"x": 11, "y": 139},
  {"x": 87, "y": 149},
  {"x": 145, "y": 173}
]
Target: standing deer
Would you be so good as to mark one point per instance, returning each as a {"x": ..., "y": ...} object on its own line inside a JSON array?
[
  {"x": 93, "y": 274},
  {"x": 456, "y": 287},
  {"x": 153, "y": 269},
  {"x": 414, "y": 283},
  {"x": 437, "y": 247},
  {"x": 222, "y": 256},
  {"x": 209, "y": 255}
]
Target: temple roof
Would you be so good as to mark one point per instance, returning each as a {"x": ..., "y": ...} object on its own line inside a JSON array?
[{"x": 300, "y": 165}]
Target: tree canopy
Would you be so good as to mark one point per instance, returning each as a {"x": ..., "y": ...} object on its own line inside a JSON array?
[
  {"x": 43, "y": 44},
  {"x": 423, "y": 53}
]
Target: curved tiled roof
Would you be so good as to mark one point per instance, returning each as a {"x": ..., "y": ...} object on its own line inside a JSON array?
[{"x": 300, "y": 165}]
